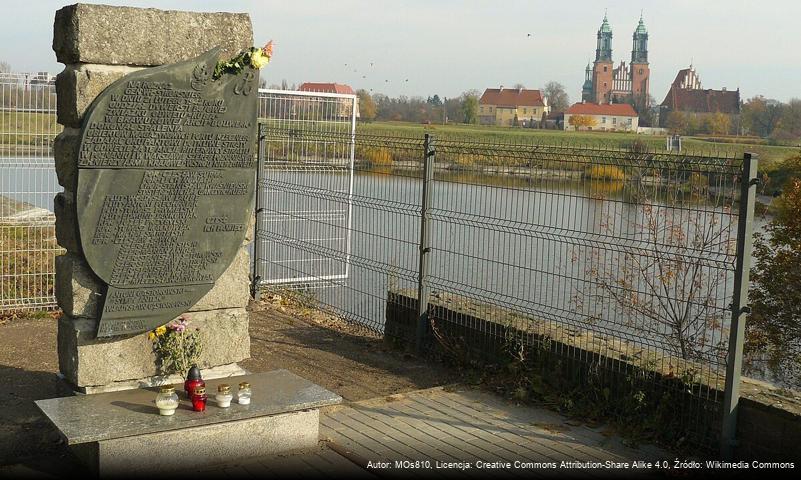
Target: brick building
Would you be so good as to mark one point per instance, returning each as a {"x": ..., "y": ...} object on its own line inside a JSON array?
[{"x": 605, "y": 83}]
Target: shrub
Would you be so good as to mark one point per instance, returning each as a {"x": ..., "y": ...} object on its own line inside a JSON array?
[
  {"x": 375, "y": 155},
  {"x": 604, "y": 172}
]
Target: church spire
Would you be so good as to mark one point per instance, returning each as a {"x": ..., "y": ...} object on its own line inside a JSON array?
[
  {"x": 603, "y": 52},
  {"x": 639, "y": 49}
]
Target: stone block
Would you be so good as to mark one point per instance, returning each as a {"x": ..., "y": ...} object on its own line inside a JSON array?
[
  {"x": 85, "y": 360},
  {"x": 232, "y": 289},
  {"x": 66, "y": 222},
  {"x": 65, "y": 151},
  {"x": 77, "y": 288},
  {"x": 114, "y": 35},
  {"x": 218, "y": 444},
  {"x": 78, "y": 85}
]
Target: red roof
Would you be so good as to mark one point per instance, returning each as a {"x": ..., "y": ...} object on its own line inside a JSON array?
[
  {"x": 326, "y": 88},
  {"x": 512, "y": 97},
  {"x": 610, "y": 109},
  {"x": 703, "y": 101}
]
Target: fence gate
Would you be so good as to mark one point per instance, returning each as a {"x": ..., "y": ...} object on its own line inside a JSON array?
[
  {"x": 27, "y": 187},
  {"x": 304, "y": 188}
]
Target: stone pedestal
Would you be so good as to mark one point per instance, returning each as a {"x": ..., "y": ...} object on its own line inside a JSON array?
[
  {"x": 125, "y": 435},
  {"x": 100, "y": 44}
]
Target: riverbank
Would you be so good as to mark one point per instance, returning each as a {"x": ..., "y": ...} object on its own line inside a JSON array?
[{"x": 768, "y": 154}]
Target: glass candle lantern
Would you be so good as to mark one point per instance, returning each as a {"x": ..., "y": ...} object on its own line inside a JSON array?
[
  {"x": 193, "y": 379},
  {"x": 223, "y": 396},
  {"x": 243, "y": 396},
  {"x": 199, "y": 399},
  {"x": 167, "y": 400}
]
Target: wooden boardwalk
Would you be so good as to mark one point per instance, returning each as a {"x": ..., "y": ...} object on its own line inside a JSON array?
[{"x": 436, "y": 432}]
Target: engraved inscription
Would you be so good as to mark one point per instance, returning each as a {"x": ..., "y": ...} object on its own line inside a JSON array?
[{"x": 165, "y": 183}]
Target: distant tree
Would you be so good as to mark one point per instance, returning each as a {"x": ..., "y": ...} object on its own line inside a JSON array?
[
  {"x": 519, "y": 86},
  {"x": 716, "y": 123},
  {"x": 367, "y": 107},
  {"x": 5, "y": 67},
  {"x": 284, "y": 84},
  {"x": 470, "y": 107},
  {"x": 773, "y": 332},
  {"x": 579, "y": 121},
  {"x": 789, "y": 125},
  {"x": 644, "y": 106},
  {"x": 557, "y": 96},
  {"x": 453, "y": 109},
  {"x": 435, "y": 100},
  {"x": 760, "y": 115},
  {"x": 682, "y": 123}
]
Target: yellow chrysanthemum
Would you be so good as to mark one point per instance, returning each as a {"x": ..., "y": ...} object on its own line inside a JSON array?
[
  {"x": 161, "y": 330},
  {"x": 151, "y": 335},
  {"x": 258, "y": 59}
]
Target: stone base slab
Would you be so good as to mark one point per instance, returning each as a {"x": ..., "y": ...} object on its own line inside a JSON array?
[
  {"x": 194, "y": 448},
  {"x": 122, "y": 433}
]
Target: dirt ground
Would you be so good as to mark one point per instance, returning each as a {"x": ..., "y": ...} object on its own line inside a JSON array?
[{"x": 343, "y": 358}]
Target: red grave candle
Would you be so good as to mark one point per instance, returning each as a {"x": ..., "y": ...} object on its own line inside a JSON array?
[
  {"x": 193, "y": 380},
  {"x": 199, "y": 399}
]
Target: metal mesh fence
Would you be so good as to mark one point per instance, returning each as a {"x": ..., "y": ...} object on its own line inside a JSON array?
[
  {"x": 27, "y": 187},
  {"x": 618, "y": 262}
]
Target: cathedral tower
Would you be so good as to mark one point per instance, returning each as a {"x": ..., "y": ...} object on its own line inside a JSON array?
[
  {"x": 640, "y": 72},
  {"x": 602, "y": 70}
]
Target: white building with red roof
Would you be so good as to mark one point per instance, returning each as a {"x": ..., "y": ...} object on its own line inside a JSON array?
[
  {"x": 344, "y": 106},
  {"x": 511, "y": 106},
  {"x": 604, "y": 117},
  {"x": 326, "y": 88}
]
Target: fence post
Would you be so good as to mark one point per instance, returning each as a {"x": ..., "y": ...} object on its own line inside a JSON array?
[
  {"x": 423, "y": 288},
  {"x": 255, "y": 278},
  {"x": 739, "y": 306}
]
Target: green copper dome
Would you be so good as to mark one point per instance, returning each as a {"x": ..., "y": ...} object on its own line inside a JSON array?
[
  {"x": 641, "y": 27},
  {"x": 605, "y": 27}
]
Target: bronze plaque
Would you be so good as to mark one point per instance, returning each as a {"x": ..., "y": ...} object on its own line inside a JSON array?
[{"x": 166, "y": 173}]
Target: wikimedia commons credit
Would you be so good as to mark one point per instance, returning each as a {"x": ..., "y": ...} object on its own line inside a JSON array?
[{"x": 709, "y": 466}]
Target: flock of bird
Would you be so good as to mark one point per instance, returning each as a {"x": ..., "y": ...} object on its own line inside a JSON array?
[{"x": 364, "y": 75}]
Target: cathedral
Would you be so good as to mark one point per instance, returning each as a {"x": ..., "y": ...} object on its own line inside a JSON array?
[{"x": 605, "y": 83}]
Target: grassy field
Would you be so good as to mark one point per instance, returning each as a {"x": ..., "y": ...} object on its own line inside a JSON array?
[
  {"x": 27, "y": 129},
  {"x": 769, "y": 155}
]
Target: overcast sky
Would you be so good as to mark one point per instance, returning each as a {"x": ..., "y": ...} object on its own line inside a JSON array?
[{"x": 423, "y": 47}]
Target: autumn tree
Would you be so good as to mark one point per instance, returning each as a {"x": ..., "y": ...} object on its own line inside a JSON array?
[
  {"x": 5, "y": 67},
  {"x": 470, "y": 107},
  {"x": 789, "y": 125},
  {"x": 557, "y": 97},
  {"x": 367, "y": 107},
  {"x": 717, "y": 123},
  {"x": 773, "y": 331},
  {"x": 580, "y": 121},
  {"x": 760, "y": 115}
]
